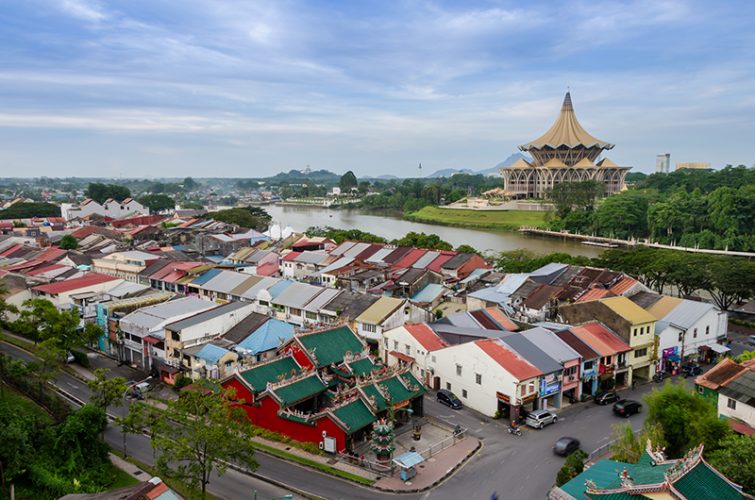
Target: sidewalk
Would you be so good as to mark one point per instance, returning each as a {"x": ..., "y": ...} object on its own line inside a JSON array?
[{"x": 129, "y": 468}]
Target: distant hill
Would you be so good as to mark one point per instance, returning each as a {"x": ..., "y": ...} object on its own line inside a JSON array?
[
  {"x": 302, "y": 175},
  {"x": 448, "y": 172}
]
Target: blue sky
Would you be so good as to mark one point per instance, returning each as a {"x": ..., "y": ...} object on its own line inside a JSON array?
[{"x": 150, "y": 88}]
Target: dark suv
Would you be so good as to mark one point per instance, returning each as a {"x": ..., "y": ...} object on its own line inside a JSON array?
[
  {"x": 604, "y": 398},
  {"x": 626, "y": 408},
  {"x": 449, "y": 399}
]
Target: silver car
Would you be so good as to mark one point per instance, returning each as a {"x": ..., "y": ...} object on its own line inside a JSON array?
[{"x": 540, "y": 418}]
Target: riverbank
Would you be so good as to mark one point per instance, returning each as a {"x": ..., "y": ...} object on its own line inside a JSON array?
[{"x": 505, "y": 220}]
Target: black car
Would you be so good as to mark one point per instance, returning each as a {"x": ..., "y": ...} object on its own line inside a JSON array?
[
  {"x": 566, "y": 446},
  {"x": 606, "y": 397},
  {"x": 691, "y": 370},
  {"x": 449, "y": 399},
  {"x": 626, "y": 408}
]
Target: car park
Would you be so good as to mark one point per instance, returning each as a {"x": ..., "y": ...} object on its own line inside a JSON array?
[
  {"x": 449, "y": 399},
  {"x": 627, "y": 407},
  {"x": 540, "y": 418},
  {"x": 606, "y": 397},
  {"x": 566, "y": 446}
]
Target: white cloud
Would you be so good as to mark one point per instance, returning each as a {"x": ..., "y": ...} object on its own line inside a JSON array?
[{"x": 86, "y": 10}]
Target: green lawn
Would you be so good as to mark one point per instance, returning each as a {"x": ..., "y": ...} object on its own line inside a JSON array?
[
  {"x": 508, "y": 220},
  {"x": 24, "y": 404}
]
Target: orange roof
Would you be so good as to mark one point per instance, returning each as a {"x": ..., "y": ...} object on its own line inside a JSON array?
[
  {"x": 623, "y": 285},
  {"x": 402, "y": 356},
  {"x": 601, "y": 339},
  {"x": 425, "y": 336},
  {"x": 721, "y": 374},
  {"x": 595, "y": 293},
  {"x": 508, "y": 360},
  {"x": 501, "y": 319}
]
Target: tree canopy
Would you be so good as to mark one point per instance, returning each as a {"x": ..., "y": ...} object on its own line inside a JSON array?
[
  {"x": 341, "y": 235},
  {"x": 68, "y": 242},
  {"x": 157, "y": 202},
  {"x": 422, "y": 240},
  {"x": 100, "y": 192},
  {"x": 25, "y": 210},
  {"x": 348, "y": 181},
  {"x": 246, "y": 217}
]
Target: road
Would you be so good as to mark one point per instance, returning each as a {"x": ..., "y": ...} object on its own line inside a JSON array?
[{"x": 516, "y": 467}]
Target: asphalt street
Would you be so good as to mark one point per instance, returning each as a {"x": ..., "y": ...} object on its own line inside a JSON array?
[{"x": 514, "y": 467}]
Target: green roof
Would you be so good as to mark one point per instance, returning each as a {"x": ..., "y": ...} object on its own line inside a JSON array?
[
  {"x": 605, "y": 474},
  {"x": 362, "y": 366},
  {"x": 355, "y": 415},
  {"x": 300, "y": 390},
  {"x": 330, "y": 346},
  {"x": 703, "y": 483},
  {"x": 398, "y": 392},
  {"x": 259, "y": 376}
]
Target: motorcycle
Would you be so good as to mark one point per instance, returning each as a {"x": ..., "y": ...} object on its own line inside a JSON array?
[
  {"x": 658, "y": 377},
  {"x": 514, "y": 430}
]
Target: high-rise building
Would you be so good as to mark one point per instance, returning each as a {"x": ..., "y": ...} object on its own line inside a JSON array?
[
  {"x": 662, "y": 163},
  {"x": 565, "y": 153}
]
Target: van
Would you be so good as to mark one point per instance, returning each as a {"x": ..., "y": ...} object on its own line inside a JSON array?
[{"x": 449, "y": 399}]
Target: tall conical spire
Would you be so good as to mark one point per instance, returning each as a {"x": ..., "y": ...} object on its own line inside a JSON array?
[{"x": 566, "y": 106}]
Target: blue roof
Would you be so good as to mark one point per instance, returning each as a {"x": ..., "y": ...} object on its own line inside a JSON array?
[
  {"x": 211, "y": 353},
  {"x": 217, "y": 259},
  {"x": 429, "y": 293},
  {"x": 204, "y": 278},
  {"x": 268, "y": 336},
  {"x": 409, "y": 459},
  {"x": 278, "y": 288}
]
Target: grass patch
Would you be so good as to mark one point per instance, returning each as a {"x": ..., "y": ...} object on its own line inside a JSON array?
[
  {"x": 507, "y": 220},
  {"x": 313, "y": 464},
  {"x": 178, "y": 486},
  {"x": 23, "y": 344},
  {"x": 121, "y": 479},
  {"x": 24, "y": 404}
]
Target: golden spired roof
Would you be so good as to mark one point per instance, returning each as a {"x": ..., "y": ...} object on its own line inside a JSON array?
[{"x": 566, "y": 131}]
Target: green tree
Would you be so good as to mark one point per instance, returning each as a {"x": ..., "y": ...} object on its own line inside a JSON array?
[
  {"x": 105, "y": 392},
  {"x": 629, "y": 445},
  {"x": 685, "y": 419},
  {"x": 5, "y": 307},
  {"x": 464, "y": 248},
  {"x": 246, "y": 217},
  {"x": 623, "y": 215},
  {"x": 16, "y": 436},
  {"x": 42, "y": 321},
  {"x": 730, "y": 281},
  {"x": 26, "y": 210},
  {"x": 68, "y": 242},
  {"x": 735, "y": 459},
  {"x": 133, "y": 422},
  {"x": 100, "y": 192},
  {"x": 573, "y": 466},
  {"x": 189, "y": 184},
  {"x": 422, "y": 240},
  {"x": 200, "y": 432},
  {"x": 348, "y": 181},
  {"x": 568, "y": 196},
  {"x": 158, "y": 202}
]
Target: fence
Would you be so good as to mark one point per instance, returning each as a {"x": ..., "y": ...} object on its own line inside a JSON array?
[
  {"x": 603, "y": 450},
  {"x": 442, "y": 445}
]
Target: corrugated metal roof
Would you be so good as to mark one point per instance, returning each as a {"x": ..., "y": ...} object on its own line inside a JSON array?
[
  {"x": 379, "y": 255},
  {"x": 211, "y": 353},
  {"x": 279, "y": 287},
  {"x": 356, "y": 249},
  {"x": 338, "y": 264},
  {"x": 377, "y": 312},
  {"x": 687, "y": 312},
  {"x": 428, "y": 294},
  {"x": 297, "y": 295},
  {"x": 152, "y": 316},
  {"x": 268, "y": 336},
  {"x": 262, "y": 284},
  {"x": 204, "y": 278},
  {"x": 310, "y": 257},
  {"x": 323, "y": 298},
  {"x": 230, "y": 308},
  {"x": 664, "y": 306},
  {"x": 225, "y": 281},
  {"x": 340, "y": 249},
  {"x": 553, "y": 346},
  {"x": 527, "y": 349},
  {"x": 628, "y": 310}
]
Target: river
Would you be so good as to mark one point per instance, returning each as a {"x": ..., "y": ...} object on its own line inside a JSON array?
[{"x": 392, "y": 227}]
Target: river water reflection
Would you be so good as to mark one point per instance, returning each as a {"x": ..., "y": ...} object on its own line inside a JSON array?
[{"x": 391, "y": 227}]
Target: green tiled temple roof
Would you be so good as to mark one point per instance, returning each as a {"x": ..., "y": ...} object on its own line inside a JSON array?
[
  {"x": 259, "y": 376},
  {"x": 355, "y": 415},
  {"x": 397, "y": 391},
  {"x": 362, "y": 366},
  {"x": 301, "y": 389},
  {"x": 332, "y": 345},
  {"x": 703, "y": 483}
]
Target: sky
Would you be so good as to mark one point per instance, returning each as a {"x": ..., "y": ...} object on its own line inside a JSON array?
[{"x": 152, "y": 88}]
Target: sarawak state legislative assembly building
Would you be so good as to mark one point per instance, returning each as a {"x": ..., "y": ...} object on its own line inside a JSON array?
[{"x": 565, "y": 153}]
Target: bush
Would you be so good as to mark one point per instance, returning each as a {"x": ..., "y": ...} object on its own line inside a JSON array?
[
  {"x": 81, "y": 358},
  {"x": 181, "y": 382},
  {"x": 573, "y": 466}
]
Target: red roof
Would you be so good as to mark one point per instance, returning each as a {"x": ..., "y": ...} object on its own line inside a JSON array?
[
  {"x": 425, "y": 336},
  {"x": 409, "y": 259},
  {"x": 291, "y": 256},
  {"x": 441, "y": 259},
  {"x": 740, "y": 427},
  {"x": 267, "y": 269},
  {"x": 89, "y": 279},
  {"x": 595, "y": 294},
  {"x": 45, "y": 269},
  {"x": 402, "y": 357},
  {"x": 600, "y": 338},
  {"x": 10, "y": 250},
  {"x": 623, "y": 285},
  {"x": 508, "y": 360}
]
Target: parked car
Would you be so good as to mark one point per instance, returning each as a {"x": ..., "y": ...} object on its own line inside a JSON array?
[
  {"x": 606, "y": 397},
  {"x": 691, "y": 370},
  {"x": 449, "y": 399},
  {"x": 626, "y": 408},
  {"x": 540, "y": 418},
  {"x": 70, "y": 358},
  {"x": 566, "y": 446}
]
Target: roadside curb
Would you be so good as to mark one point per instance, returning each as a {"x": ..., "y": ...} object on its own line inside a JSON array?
[{"x": 275, "y": 482}]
